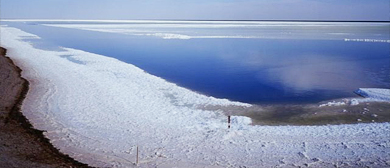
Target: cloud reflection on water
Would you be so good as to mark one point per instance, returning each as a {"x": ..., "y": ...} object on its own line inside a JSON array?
[
  {"x": 318, "y": 72},
  {"x": 301, "y": 73}
]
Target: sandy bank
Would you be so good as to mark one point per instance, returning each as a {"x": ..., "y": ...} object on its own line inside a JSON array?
[{"x": 20, "y": 144}]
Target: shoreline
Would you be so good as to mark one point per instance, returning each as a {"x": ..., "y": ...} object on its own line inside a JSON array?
[
  {"x": 16, "y": 128},
  {"x": 165, "y": 121},
  {"x": 330, "y": 112}
]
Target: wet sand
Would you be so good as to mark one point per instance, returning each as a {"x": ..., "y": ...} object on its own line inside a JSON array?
[
  {"x": 20, "y": 144},
  {"x": 310, "y": 114},
  {"x": 368, "y": 112}
]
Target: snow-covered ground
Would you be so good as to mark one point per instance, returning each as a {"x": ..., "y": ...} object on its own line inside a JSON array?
[{"x": 98, "y": 110}]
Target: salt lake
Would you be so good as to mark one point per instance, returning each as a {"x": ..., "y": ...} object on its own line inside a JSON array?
[{"x": 252, "y": 62}]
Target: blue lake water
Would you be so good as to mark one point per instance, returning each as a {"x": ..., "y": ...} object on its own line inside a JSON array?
[{"x": 261, "y": 63}]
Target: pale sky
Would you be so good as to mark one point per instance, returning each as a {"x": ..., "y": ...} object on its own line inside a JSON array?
[{"x": 370, "y": 10}]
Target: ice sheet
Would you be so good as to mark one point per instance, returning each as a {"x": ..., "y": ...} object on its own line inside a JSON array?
[
  {"x": 375, "y": 93},
  {"x": 231, "y": 29}
]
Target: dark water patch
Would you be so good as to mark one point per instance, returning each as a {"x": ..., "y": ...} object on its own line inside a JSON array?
[{"x": 71, "y": 59}]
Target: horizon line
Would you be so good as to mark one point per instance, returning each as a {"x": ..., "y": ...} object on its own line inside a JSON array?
[{"x": 247, "y": 20}]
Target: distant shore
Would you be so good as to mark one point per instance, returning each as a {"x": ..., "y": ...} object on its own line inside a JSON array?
[{"x": 20, "y": 144}]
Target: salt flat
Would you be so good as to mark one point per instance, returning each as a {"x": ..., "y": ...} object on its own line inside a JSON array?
[{"x": 98, "y": 109}]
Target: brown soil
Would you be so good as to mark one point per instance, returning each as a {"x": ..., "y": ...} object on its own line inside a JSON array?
[
  {"x": 20, "y": 144},
  {"x": 314, "y": 115},
  {"x": 310, "y": 114}
]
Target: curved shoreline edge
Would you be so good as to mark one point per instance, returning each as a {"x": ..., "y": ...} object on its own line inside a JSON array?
[
  {"x": 169, "y": 131},
  {"x": 16, "y": 118}
]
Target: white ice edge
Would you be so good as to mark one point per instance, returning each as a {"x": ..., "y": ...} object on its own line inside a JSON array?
[
  {"x": 157, "y": 29},
  {"x": 369, "y": 94},
  {"x": 378, "y": 94},
  {"x": 98, "y": 109},
  {"x": 190, "y": 21}
]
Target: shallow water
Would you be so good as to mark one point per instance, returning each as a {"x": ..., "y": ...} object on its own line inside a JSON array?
[{"x": 261, "y": 63}]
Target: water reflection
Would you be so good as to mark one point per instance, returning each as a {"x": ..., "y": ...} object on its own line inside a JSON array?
[
  {"x": 313, "y": 67},
  {"x": 42, "y": 44},
  {"x": 283, "y": 64},
  {"x": 312, "y": 72}
]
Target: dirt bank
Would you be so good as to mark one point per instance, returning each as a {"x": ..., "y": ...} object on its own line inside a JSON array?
[{"x": 20, "y": 144}]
